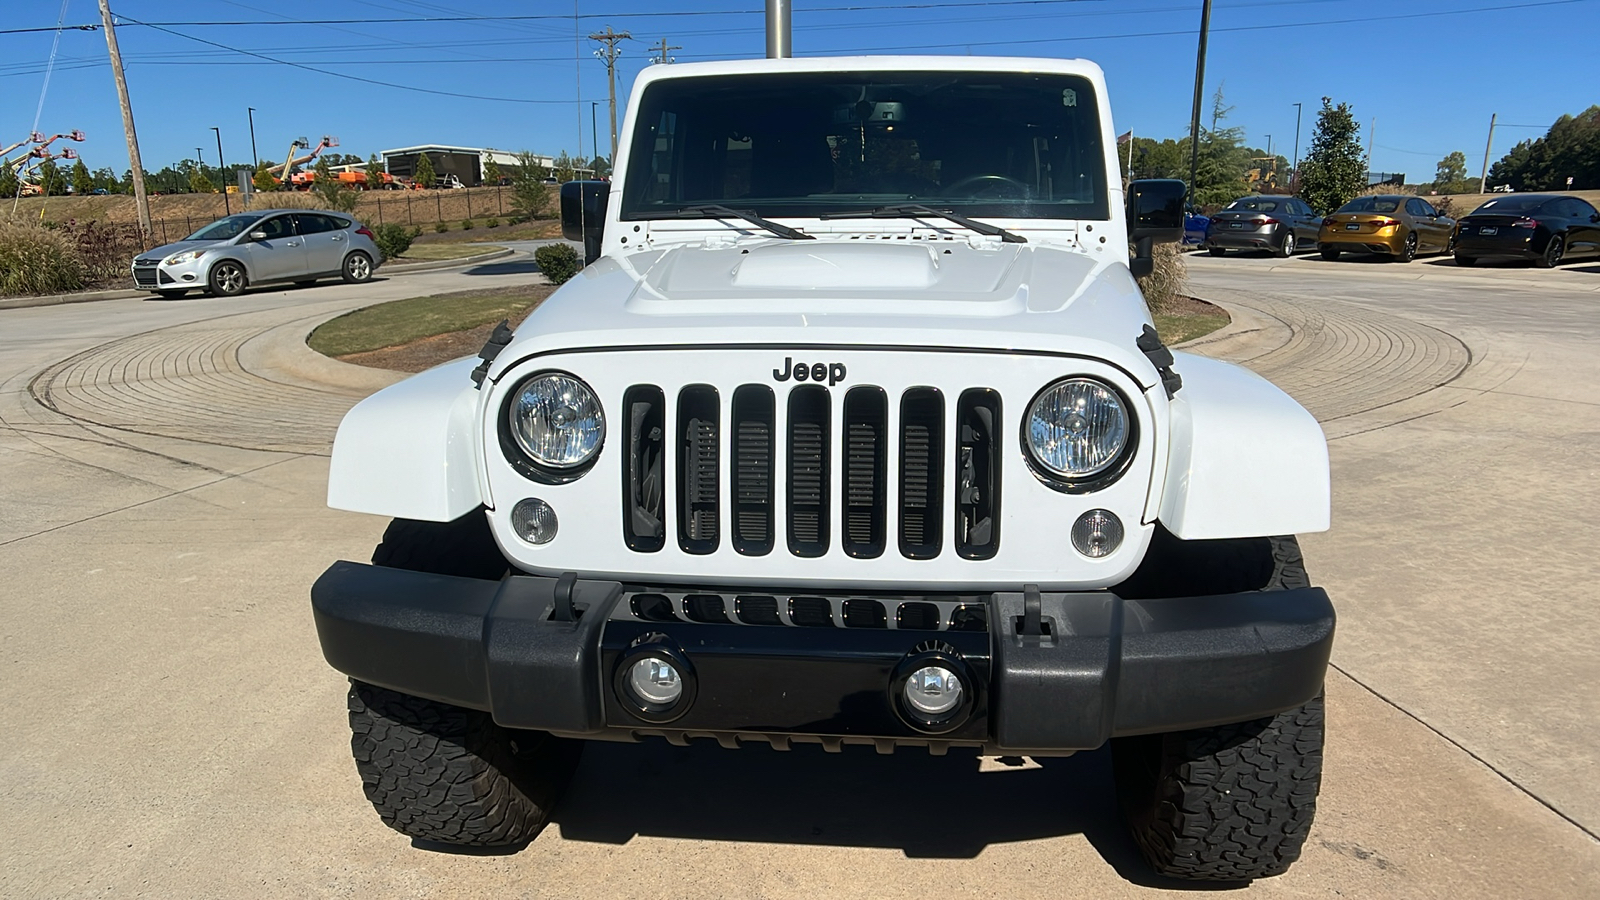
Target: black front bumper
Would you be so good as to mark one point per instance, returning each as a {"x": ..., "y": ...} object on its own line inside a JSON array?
[{"x": 1103, "y": 666}]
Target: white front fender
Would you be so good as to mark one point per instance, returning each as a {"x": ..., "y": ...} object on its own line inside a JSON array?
[
  {"x": 410, "y": 450},
  {"x": 1246, "y": 460}
]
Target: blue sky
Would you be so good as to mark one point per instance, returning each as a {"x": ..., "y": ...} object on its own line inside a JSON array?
[{"x": 1413, "y": 66}]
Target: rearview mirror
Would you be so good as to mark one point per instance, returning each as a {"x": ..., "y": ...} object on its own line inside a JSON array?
[
  {"x": 1155, "y": 213},
  {"x": 258, "y": 235},
  {"x": 583, "y": 214}
]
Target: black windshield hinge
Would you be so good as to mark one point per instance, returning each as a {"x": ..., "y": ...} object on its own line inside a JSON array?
[
  {"x": 1150, "y": 345},
  {"x": 491, "y": 348}
]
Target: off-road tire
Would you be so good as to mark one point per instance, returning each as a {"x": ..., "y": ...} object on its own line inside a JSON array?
[
  {"x": 1232, "y": 802},
  {"x": 449, "y": 775},
  {"x": 1554, "y": 249},
  {"x": 1329, "y": 255},
  {"x": 464, "y": 548},
  {"x": 357, "y": 268}
]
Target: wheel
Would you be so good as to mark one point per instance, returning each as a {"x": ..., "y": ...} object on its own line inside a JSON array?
[
  {"x": 1231, "y": 802},
  {"x": 1285, "y": 248},
  {"x": 437, "y": 772},
  {"x": 1216, "y": 251},
  {"x": 441, "y": 773},
  {"x": 1466, "y": 260},
  {"x": 1408, "y": 250},
  {"x": 1553, "y": 251},
  {"x": 357, "y": 267},
  {"x": 172, "y": 295},
  {"x": 227, "y": 279},
  {"x": 1328, "y": 254}
]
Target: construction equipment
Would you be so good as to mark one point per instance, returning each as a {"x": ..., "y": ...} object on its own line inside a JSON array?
[
  {"x": 42, "y": 142},
  {"x": 290, "y": 161}
]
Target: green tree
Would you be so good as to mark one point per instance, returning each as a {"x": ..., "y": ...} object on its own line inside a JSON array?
[
  {"x": 491, "y": 171},
  {"x": 105, "y": 178},
  {"x": 82, "y": 181},
  {"x": 1155, "y": 159},
  {"x": 374, "y": 173},
  {"x": 333, "y": 193},
  {"x": 49, "y": 178},
  {"x": 199, "y": 183},
  {"x": 1570, "y": 149},
  {"x": 263, "y": 180},
  {"x": 600, "y": 166},
  {"x": 8, "y": 179},
  {"x": 1335, "y": 169},
  {"x": 425, "y": 175},
  {"x": 528, "y": 193},
  {"x": 1220, "y": 173},
  {"x": 1450, "y": 175},
  {"x": 565, "y": 169}
]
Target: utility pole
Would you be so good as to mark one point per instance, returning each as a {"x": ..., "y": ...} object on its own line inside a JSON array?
[
  {"x": 1269, "y": 146},
  {"x": 141, "y": 201},
  {"x": 1483, "y": 181},
  {"x": 222, "y": 168},
  {"x": 663, "y": 58},
  {"x": 594, "y": 131},
  {"x": 1294, "y": 168},
  {"x": 609, "y": 55},
  {"x": 1199, "y": 86},
  {"x": 1372, "y": 129},
  {"x": 255, "y": 161}
]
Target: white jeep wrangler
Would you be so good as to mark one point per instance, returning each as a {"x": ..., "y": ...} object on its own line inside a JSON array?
[{"x": 854, "y": 431}]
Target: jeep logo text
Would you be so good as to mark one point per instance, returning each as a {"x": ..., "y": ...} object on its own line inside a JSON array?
[{"x": 832, "y": 372}]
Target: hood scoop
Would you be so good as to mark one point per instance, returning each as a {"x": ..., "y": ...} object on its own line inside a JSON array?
[{"x": 838, "y": 266}]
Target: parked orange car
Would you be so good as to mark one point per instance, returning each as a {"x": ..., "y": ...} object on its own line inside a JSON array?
[{"x": 1392, "y": 225}]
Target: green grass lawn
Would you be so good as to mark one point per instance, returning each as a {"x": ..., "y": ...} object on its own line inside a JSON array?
[
  {"x": 1177, "y": 329},
  {"x": 403, "y": 321}
]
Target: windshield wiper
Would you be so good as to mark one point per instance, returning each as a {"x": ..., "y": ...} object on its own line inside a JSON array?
[
  {"x": 904, "y": 210},
  {"x": 714, "y": 211}
]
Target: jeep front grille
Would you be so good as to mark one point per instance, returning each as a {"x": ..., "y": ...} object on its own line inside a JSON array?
[{"x": 936, "y": 477}]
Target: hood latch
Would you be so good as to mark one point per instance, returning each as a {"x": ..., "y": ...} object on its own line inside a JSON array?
[
  {"x": 1149, "y": 343},
  {"x": 491, "y": 348}
]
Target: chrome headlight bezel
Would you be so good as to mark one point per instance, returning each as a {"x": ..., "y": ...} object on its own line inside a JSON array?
[
  {"x": 521, "y": 451},
  {"x": 1099, "y": 477}
]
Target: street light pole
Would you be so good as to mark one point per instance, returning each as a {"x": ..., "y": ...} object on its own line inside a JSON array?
[
  {"x": 1199, "y": 85},
  {"x": 222, "y": 170},
  {"x": 1294, "y": 169},
  {"x": 594, "y": 130},
  {"x": 255, "y": 161}
]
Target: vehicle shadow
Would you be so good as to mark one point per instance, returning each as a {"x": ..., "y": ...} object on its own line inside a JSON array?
[
  {"x": 511, "y": 267},
  {"x": 922, "y": 805}
]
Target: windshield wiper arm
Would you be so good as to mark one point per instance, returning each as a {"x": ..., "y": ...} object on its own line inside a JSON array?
[
  {"x": 715, "y": 211},
  {"x": 902, "y": 210}
]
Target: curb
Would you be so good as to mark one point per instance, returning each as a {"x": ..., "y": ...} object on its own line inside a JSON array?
[
  {"x": 281, "y": 354},
  {"x": 128, "y": 294}
]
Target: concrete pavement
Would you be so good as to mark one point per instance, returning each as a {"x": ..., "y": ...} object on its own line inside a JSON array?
[{"x": 175, "y": 733}]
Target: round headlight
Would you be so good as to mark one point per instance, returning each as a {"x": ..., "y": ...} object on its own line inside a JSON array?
[
  {"x": 1077, "y": 428},
  {"x": 556, "y": 419}
]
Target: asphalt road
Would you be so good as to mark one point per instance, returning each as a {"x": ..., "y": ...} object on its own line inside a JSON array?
[{"x": 173, "y": 731}]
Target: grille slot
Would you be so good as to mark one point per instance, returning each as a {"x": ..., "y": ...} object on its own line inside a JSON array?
[
  {"x": 757, "y": 609},
  {"x": 863, "y": 613},
  {"x": 654, "y": 608},
  {"x": 808, "y": 471},
  {"x": 918, "y": 616},
  {"x": 698, "y": 459},
  {"x": 866, "y": 414},
  {"x": 751, "y": 421},
  {"x": 921, "y": 472},
  {"x": 977, "y": 482},
  {"x": 643, "y": 469},
  {"x": 811, "y": 612},
  {"x": 705, "y": 608}
]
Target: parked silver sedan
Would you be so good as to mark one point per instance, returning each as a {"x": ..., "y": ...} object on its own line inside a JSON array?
[{"x": 259, "y": 247}]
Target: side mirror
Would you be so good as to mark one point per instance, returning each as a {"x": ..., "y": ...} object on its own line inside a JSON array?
[
  {"x": 258, "y": 235},
  {"x": 583, "y": 214},
  {"x": 1155, "y": 213}
]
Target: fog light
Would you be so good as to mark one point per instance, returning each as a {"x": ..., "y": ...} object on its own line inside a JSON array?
[
  {"x": 933, "y": 691},
  {"x": 534, "y": 521},
  {"x": 1097, "y": 533},
  {"x": 655, "y": 682}
]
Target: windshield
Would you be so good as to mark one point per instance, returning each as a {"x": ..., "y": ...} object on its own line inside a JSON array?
[
  {"x": 1372, "y": 205},
  {"x": 1511, "y": 205},
  {"x": 1255, "y": 204},
  {"x": 977, "y": 143},
  {"x": 223, "y": 229}
]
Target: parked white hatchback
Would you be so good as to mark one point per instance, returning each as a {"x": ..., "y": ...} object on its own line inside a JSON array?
[{"x": 260, "y": 247}]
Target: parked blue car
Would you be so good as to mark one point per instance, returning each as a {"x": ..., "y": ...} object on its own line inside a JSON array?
[{"x": 1194, "y": 228}]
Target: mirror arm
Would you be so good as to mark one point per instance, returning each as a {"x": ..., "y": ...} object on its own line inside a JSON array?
[{"x": 1143, "y": 262}]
